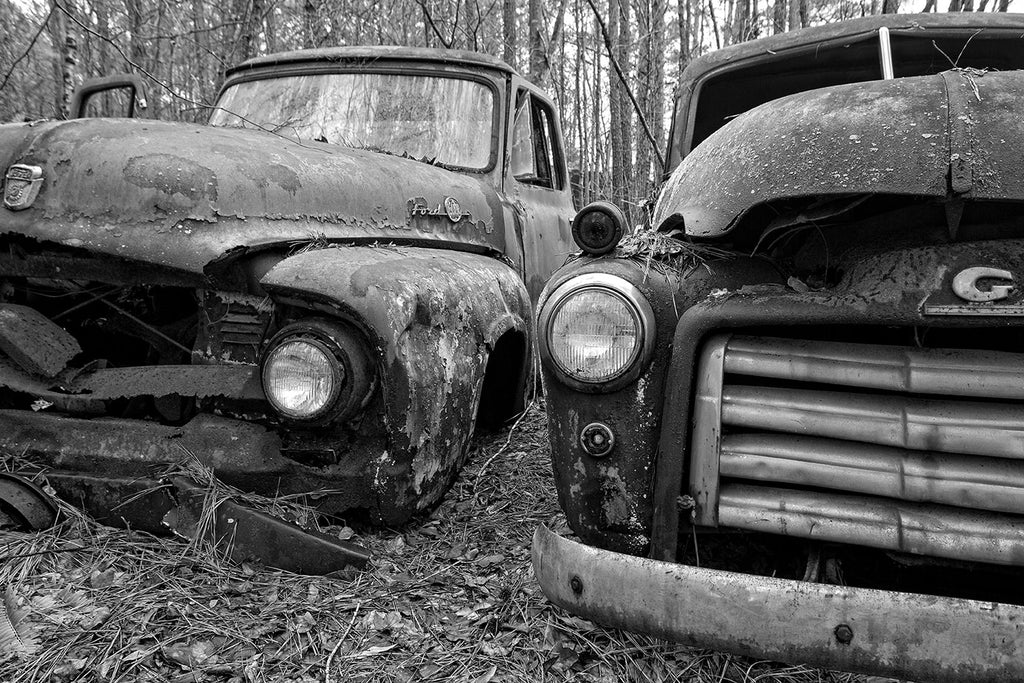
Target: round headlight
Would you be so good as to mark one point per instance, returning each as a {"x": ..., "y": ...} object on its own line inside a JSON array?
[
  {"x": 595, "y": 330},
  {"x": 302, "y": 378},
  {"x": 594, "y": 335}
]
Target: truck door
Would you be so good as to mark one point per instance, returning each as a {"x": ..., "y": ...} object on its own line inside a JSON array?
[{"x": 538, "y": 187}]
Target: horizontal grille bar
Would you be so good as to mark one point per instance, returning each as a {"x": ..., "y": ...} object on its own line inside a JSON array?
[
  {"x": 995, "y": 429},
  {"x": 882, "y": 523},
  {"x": 952, "y": 372},
  {"x": 975, "y": 482}
]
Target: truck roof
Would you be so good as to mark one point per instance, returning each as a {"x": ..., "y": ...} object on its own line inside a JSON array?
[
  {"x": 853, "y": 28},
  {"x": 362, "y": 53}
]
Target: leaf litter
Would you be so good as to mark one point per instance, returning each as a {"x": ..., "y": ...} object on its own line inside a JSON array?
[{"x": 449, "y": 597}]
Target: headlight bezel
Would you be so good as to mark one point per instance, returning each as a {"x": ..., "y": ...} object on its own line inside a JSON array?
[
  {"x": 639, "y": 307},
  {"x": 350, "y": 362}
]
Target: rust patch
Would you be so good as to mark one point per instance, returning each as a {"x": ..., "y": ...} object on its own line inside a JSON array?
[
  {"x": 35, "y": 343},
  {"x": 172, "y": 175}
]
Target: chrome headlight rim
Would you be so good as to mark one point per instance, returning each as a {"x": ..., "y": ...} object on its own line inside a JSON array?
[
  {"x": 635, "y": 301},
  {"x": 311, "y": 335}
]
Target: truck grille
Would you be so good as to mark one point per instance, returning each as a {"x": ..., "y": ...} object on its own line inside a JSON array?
[{"x": 898, "y": 448}]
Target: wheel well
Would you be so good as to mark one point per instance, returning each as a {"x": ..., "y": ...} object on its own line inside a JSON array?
[{"x": 504, "y": 391}]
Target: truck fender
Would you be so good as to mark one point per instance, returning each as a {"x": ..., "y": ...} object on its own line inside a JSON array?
[{"x": 434, "y": 316}]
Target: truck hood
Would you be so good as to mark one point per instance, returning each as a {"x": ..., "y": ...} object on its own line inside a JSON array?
[
  {"x": 181, "y": 196},
  {"x": 959, "y": 133}
]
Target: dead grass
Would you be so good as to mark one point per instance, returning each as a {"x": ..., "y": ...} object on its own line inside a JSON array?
[{"x": 448, "y": 598}]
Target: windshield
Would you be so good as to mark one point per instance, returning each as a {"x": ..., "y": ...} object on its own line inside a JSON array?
[{"x": 430, "y": 118}]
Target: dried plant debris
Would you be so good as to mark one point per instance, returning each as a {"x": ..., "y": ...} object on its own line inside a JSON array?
[
  {"x": 449, "y": 597},
  {"x": 672, "y": 250}
]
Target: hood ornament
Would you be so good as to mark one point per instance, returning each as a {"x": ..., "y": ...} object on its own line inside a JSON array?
[{"x": 21, "y": 186}]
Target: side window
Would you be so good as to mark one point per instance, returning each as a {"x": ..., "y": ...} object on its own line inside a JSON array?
[{"x": 533, "y": 153}]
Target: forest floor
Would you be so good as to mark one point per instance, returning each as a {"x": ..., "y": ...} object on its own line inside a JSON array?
[{"x": 450, "y": 597}]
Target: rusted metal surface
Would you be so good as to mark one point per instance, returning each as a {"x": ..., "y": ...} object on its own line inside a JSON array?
[
  {"x": 812, "y": 48},
  {"x": 25, "y": 504},
  {"x": 608, "y": 500},
  {"x": 246, "y": 534},
  {"x": 749, "y": 162},
  {"x": 180, "y": 196},
  {"x": 242, "y": 454},
  {"x": 903, "y": 635},
  {"x": 126, "y": 502},
  {"x": 35, "y": 343},
  {"x": 240, "y": 382},
  {"x": 158, "y": 506},
  {"x": 435, "y": 316},
  {"x": 924, "y": 136}
]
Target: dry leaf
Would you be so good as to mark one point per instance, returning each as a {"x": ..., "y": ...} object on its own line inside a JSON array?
[{"x": 487, "y": 675}]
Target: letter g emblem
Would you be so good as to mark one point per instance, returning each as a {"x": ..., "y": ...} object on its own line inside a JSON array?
[{"x": 965, "y": 284}]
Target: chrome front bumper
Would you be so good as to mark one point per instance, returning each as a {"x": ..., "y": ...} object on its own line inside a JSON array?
[{"x": 906, "y": 635}]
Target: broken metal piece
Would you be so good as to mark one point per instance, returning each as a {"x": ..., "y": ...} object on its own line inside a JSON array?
[
  {"x": 26, "y": 505},
  {"x": 246, "y": 533},
  {"x": 138, "y": 503},
  {"x": 34, "y": 342}
]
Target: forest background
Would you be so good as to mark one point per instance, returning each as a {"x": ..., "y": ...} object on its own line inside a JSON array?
[{"x": 570, "y": 47}]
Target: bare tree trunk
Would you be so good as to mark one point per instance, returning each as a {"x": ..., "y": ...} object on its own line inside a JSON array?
[
  {"x": 621, "y": 112},
  {"x": 535, "y": 42},
  {"x": 508, "y": 27},
  {"x": 890, "y": 6},
  {"x": 1003, "y": 5},
  {"x": 794, "y": 15},
  {"x": 684, "y": 33},
  {"x": 929, "y": 6},
  {"x": 65, "y": 60},
  {"x": 779, "y": 16}
]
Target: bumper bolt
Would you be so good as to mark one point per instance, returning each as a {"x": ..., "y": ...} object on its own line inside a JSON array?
[
  {"x": 597, "y": 439},
  {"x": 577, "y": 585},
  {"x": 844, "y": 634}
]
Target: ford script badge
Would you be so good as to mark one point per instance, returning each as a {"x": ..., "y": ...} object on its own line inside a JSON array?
[{"x": 21, "y": 186}]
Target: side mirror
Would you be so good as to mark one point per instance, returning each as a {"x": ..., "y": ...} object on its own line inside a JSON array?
[{"x": 136, "y": 96}]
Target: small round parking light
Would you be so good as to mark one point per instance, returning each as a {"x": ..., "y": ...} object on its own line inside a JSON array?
[
  {"x": 598, "y": 227},
  {"x": 597, "y": 439}
]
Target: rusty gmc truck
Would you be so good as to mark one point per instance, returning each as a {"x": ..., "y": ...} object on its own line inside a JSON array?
[
  {"x": 787, "y": 420},
  {"x": 321, "y": 292}
]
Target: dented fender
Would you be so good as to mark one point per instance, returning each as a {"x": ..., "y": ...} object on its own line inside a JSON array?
[{"x": 434, "y": 317}]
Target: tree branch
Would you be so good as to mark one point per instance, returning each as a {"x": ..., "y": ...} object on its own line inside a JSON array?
[
  {"x": 625, "y": 84},
  {"x": 31, "y": 44}
]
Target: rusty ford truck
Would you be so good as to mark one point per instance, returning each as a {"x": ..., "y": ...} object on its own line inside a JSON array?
[
  {"x": 322, "y": 291},
  {"x": 787, "y": 420}
]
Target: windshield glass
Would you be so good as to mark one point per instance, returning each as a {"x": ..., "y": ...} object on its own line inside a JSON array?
[{"x": 430, "y": 118}]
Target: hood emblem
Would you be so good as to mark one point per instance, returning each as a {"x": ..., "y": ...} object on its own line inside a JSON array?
[
  {"x": 978, "y": 291},
  {"x": 453, "y": 209},
  {"x": 21, "y": 186},
  {"x": 965, "y": 284},
  {"x": 449, "y": 208}
]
